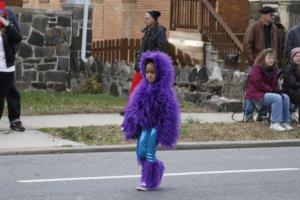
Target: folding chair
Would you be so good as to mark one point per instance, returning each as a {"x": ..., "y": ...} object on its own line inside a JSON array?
[
  {"x": 255, "y": 107},
  {"x": 255, "y": 110},
  {"x": 295, "y": 112}
]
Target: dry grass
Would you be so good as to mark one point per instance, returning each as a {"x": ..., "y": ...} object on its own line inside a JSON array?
[
  {"x": 190, "y": 132},
  {"x": 233, "y": 132}
]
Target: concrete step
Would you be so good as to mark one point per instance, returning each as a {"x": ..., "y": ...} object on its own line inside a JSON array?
[
  {"x": 185, "y": 35},
  {"x": 189, "y": 43},
  {"x": 221, "y": 104}
]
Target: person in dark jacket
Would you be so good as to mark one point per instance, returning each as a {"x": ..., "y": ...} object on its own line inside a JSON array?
[
  {"x": 262, "y": 89},
  {"x": 154, "y": 39},
  {"x": 13, "y": 97},
  {"x": 291, "y": 77},
  {"x": 292, "y": 40},
  {"x": 10, "y": 39}
]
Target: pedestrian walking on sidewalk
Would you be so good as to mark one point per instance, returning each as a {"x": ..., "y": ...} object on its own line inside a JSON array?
[
  {"x": 152, "y": 116},
  {"x": 154, "y": 39},
  {"x": 9, "y": 40}
]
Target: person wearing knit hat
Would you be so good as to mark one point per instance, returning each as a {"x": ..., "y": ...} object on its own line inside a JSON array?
[
  {"x": 154, "y": 39},
  {"x": 294, "y": 53},
  {"x": 154, "y": 14},
  {"x": 291, "y": 77},
  {"x": 10, "y": 38}
]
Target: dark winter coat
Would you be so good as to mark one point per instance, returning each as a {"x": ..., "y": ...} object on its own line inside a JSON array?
[
  {"x": 11, "y": 37},
  {"x": 154, "y": 39},
  {"x": 292, "y": 40},
  {"x": 291, "y": 82}
]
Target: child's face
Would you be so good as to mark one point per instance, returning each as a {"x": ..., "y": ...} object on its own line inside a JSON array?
[
  {"x": 269, "y": 60},
  {"x": 150, "y": 72}
]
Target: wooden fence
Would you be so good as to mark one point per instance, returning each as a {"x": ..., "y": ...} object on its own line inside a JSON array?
[
  {"x": 14, "y": 2},
  {"x": 116, "y": 49}
]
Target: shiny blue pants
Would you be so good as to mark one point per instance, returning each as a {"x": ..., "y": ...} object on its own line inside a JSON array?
[{"x": 147, "y": 144}]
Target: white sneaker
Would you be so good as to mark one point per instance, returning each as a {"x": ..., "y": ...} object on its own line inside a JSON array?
[
  {"x": 287, "y": 126},
  {"x": 142, "y": 188},
  {"x": 277, "y": 127}
]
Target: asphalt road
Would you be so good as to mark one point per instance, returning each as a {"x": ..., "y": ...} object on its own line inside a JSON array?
[{"x": 226, "y": 174}]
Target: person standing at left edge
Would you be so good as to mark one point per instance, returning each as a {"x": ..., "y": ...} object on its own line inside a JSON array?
[
  {"x": 9, "y": 40},
  {"x": 152, "y": 116}
]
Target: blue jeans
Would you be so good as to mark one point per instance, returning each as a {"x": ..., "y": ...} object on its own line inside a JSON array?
[
  {"x": 147, "y": 144},
  {"x": 280, "y": 107}
]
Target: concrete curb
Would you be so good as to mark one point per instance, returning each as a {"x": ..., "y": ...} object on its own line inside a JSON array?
[{"x": 180, "y": 146}]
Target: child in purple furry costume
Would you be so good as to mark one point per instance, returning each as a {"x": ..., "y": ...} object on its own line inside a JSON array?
[{"x": 152, "y": 116}]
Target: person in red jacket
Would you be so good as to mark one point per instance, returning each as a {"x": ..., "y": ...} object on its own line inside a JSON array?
[{"x": 262, "y": 89}]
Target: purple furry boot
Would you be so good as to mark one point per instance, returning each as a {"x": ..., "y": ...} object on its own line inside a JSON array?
[{"x": 152, "y": 173}]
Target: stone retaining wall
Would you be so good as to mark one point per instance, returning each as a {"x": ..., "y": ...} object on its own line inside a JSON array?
[{"x": 50, "y": 50}]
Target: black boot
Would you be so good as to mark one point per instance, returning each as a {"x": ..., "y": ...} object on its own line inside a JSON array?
[{"x": 17, "y": 126}]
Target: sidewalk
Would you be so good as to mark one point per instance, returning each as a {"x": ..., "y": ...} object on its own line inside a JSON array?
[
  {"x": 33, "y": 141},
  {"x": 60, "y": 121}
]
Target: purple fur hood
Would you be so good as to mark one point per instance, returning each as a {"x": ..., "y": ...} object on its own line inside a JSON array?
[{"x": 154, "y": 105}]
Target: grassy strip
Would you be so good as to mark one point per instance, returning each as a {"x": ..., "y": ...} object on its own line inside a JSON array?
[
  {"x": 190, "y": 132},
  {"x": 41, "y": 103},
  {"x": 47, "y": 103}
]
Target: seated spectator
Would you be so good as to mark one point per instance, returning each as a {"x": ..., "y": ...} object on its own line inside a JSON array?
[
  {"x": 262, "y": 89},
  {"x": 291, "y": 77}
]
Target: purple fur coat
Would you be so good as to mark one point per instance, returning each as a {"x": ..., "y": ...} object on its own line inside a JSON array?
[{"x": 154, "y": 105}]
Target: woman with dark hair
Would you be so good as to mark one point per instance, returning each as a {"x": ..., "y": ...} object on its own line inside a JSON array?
[{"x": 262, "y": 88}]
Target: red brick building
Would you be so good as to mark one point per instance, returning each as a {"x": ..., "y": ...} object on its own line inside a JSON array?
[{"x": 124, "y": 18}]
